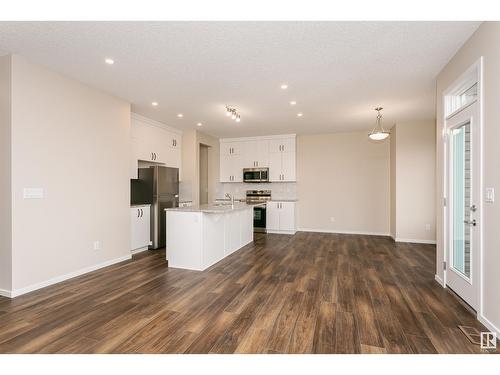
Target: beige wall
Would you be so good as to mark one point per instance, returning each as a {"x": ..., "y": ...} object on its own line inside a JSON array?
[
  {"x": 191, "y": 141},
  {"x": 344, "y": 176},
  {"x": 413, "y": 162},
  {"x": 73, "y": 141},
  {"x": 484, "y": 42},
  {"x": 5, "y": 177}
]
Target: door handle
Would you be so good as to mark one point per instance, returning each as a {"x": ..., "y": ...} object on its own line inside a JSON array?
[{"x": 470, "y": 222}]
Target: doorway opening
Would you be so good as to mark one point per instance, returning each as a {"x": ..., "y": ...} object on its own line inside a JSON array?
[{"x": 203, "y": 174}]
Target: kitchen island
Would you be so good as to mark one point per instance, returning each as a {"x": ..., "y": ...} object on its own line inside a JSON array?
[{"x": 200, "y": 236}]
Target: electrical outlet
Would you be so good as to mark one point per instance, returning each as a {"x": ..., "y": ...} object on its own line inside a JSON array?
[
  {"x": 97, "y": 245},
  {"x": 332, "y": 219},
  {"x": 427, "y": 227}
]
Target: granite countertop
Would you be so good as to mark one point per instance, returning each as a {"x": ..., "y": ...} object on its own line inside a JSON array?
[
  {"x": 140, "y": 205},
  {"x": 215, "y": 208}
]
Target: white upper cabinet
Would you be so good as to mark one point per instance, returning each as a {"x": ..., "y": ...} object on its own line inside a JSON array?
[
  {"x": 154, "y": 142},
  {"x": 274, "y": 152}
]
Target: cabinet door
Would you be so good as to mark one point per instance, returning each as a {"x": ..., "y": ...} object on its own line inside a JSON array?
[
  {"x": 225, "y": 149},
  {"x": 237, "y": 167},
  {"x": 145, "y": 228},
  {"x": 275, "y": 145},
  {"x": 275, "y": 166},
  {"x": 262, "y": 153},
  {"x": 287, "y": 216},
  {"x": 247, "y": 152},
  {"x": 288, "y": 166},
  {"x": 135, "y": 234},
  {"x": 288, "y": 145},
  {"x": 226, "y": 168},
  {"x": 272, "y": 216},
  {"x": 134, "y": 173}
]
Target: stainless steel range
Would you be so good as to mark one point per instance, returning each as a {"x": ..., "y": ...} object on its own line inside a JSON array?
[{"x": 259, "y": 213}]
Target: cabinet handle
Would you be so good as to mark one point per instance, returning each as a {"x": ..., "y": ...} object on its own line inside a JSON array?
[
  {"x": 283, "y": 148},
  {"x": 152, "y": 156},
  {"x": 141, "y": 212},
  {"x": 138, "y": 213}
]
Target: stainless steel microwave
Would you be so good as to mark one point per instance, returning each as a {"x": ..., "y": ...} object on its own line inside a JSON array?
[{"x": 255, "y": 174}]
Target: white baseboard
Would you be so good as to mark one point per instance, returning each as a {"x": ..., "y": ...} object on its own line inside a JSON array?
[
  {"x": 58, "y": 279},
  {"x": 343, "y": 232},
  {"x": 5, "y": 293},
  {"x": 281, "y": 232},
  {"x": 139, "y": 250},
  {"x": 488, "y": 324},
  {"x": 439, "y": 280},
  {"x": 430, "y": 242}
]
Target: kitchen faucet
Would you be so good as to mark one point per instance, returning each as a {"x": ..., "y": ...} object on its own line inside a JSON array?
[{"x": 232, "y": 199}]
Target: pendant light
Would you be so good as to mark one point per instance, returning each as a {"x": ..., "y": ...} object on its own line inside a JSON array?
[{"x": 378, "y": 133}]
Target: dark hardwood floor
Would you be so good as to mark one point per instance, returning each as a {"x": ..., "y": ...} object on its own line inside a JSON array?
[{"x": 308, "y": 293}]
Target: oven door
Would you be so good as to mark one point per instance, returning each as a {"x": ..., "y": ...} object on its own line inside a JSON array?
[
  {"x": 259, "y": 219},
  {"x": 251, "y": 175}
]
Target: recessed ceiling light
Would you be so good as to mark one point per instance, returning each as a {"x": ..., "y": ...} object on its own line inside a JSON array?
[
  {"x": 293, "y": 102},
  {"x": 199, "y": 124},
  {"x": 284, "y": 86},
  {"x": 300, "y": 114},
  {"x": 154, "y": 104},
  {"x": 180, "y": 115},
  {"x": 109, "y": 61}
]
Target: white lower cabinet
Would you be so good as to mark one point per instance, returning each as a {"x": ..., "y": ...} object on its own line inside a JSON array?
[
  {"x": 280, "y": 217},
  {"x": 140, "y": 227}
]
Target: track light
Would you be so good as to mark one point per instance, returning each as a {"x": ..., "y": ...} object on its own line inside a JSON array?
[{"x": 233, "y": 113}]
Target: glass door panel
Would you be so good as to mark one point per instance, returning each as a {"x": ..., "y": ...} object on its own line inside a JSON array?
[{"x": 461, "y": 195}]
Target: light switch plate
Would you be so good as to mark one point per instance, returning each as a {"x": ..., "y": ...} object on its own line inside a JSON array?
[
  {"x": 489, "y": 195},
  {"x": 33, "y": 193}
]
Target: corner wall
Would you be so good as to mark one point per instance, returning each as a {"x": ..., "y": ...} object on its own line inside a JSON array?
[
  {"x": 413, "y": 162},
  {"x": 484, "y": 42},
  {"x": 5, "y": 177}
]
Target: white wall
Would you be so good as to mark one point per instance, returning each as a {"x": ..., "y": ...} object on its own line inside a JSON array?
[
  {"x": 413, "y": 164},
  {"x": 5, "y": 178},
  {"x": 344, "y": 176},
  {"x": 484, "y": 42},
  {"x": 74, "y": 142}
]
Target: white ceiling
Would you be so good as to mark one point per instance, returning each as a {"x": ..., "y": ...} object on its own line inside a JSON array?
[{"x": 336, "y": 71}]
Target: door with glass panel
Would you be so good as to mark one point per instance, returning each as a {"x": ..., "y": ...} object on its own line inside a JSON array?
[{"x": 463, "y": 241}]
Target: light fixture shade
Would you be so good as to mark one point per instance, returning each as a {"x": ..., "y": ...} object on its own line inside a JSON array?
[
  {"x": 378, "y": 136},
  {"x": 378, "y": 133}
]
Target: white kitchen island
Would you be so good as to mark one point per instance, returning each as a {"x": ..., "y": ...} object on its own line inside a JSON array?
[{"x": 198, "y": 237}]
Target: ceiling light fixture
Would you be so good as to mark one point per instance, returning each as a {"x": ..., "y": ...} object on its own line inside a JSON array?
[
  {"x": 180, "y": 115},
  {"x": 300, "y": 114},
  {"x": 109, "y": 61},
  {"x": 284, "y": 86},
  {"x": 378, "y": 133},
  {"x": 154, "y": 104},
  {"x": 293, "y": 102},
  {"x": 199, "y": 124},
  {"x": 233, "y": 113}
]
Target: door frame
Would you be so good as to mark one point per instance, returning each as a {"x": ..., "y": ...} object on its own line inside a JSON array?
[{"x": 474, "y": 74}]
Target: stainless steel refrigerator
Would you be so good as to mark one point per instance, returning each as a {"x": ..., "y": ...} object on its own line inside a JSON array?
[{"x": 158, "y": 186}]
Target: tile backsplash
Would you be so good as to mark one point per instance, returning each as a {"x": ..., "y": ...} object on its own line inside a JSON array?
[{"x": 279, "y": 190}]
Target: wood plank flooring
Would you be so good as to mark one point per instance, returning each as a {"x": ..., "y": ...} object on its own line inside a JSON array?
[{"x": 307, "y": 293}]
